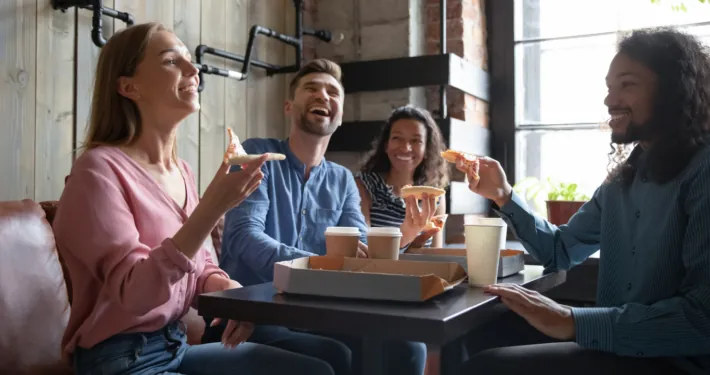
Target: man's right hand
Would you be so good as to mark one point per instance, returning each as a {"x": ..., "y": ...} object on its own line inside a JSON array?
[
  {"x": 491, "y": 182},
  {"x": 362, "y": 250}
]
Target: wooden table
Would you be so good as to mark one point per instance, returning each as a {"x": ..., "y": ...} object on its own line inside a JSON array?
[{"x": 435, "y": 322}]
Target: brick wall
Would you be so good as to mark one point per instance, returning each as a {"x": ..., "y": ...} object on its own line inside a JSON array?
[{"x": 466, "y": 37}]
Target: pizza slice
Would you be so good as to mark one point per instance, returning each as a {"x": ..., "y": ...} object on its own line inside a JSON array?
[
  {"x": 452, "y": 156},
  {"x": 418, "y": 191},
  {"x": 437, "y": 221},
  {"x": 236, "y": 155},
  {"x": 244, "y": 159},
  {"x": 234, "y": 147}
]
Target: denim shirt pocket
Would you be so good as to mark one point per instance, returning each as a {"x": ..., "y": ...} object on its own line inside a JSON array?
[
  {"x": 327, "y": 216},
  {"x": 322, "y": 219}
]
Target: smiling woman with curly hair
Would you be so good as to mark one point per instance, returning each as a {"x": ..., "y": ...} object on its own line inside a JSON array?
[{"x": 407, "y": 152}]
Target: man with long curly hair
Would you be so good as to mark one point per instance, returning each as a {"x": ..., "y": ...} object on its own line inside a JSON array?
[{"x": 650, "y": 219}]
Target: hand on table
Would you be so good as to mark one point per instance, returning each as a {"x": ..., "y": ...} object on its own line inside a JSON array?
[{"x": 546, "y": 315}]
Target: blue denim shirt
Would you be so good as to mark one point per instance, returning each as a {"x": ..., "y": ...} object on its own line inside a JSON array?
[
  {"x": 653, "y": 292},
  {"x": 286, "y": 217}
]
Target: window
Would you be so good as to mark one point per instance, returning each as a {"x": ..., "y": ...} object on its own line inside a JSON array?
[{"x": 562, "y": 53}]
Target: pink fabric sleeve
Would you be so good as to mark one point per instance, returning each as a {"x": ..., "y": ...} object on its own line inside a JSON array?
[
  {"x": 210, "y": 268},
  {"x": 103, "y": 237}
]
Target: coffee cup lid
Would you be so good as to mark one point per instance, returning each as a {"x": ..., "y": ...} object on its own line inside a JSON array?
[
  {"x": 343, "y": 231},
  {"x": 487, "y": 222},
  {"x": 384, "y": 231}
]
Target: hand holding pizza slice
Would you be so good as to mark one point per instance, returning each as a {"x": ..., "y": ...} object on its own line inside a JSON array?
[
  {"x": 234, "y": 147},
  {"x": 437, "y": 222},
  {"x": 236, "y": 155},
  {"x": 465, "y": 162}
]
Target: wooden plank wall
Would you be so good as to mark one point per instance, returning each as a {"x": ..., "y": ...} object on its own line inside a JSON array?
[{"x": 47, "y": 61}]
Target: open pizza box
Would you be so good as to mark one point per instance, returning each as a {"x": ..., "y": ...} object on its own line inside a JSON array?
[
  {"x": 375, "y": 279},
  {"x": 511, "y": 261}
]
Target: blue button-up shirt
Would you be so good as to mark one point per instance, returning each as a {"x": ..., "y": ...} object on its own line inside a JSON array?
[
  {"x": 654, "y": 268},
  {"x": 286, "y": 217}
]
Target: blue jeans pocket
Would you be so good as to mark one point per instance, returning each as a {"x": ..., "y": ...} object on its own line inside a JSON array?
[{"x": 114, "y": 356}]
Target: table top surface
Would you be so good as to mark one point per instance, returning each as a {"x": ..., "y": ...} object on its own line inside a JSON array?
[{"x": 437, "y": 320}]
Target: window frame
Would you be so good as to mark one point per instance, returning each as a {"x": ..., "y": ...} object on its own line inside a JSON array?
[{"x": 501, "y": 45}]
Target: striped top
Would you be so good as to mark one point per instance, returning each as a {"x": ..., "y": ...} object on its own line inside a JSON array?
[
  {"x": 653, "y": 291},
  {"x": 387, "y": 209}
]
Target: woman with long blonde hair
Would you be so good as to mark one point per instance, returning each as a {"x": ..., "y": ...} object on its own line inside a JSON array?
[{"x": 132, "y": 228}]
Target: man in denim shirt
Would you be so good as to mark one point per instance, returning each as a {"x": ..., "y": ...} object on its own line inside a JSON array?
[
  {"x": 286, "y": 217},
  {"x": 650, "y": 219}
]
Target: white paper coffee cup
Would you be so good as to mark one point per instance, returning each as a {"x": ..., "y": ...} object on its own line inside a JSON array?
[
  {"x": 383, "y": 242},
  {"x": 342, "y": 241},
  {"x": 484, "y": 240}
]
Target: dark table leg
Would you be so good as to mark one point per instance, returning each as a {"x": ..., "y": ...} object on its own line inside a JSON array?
[
  {"x": 372, "y": 356},
  {"x": 451, "y": 358}
]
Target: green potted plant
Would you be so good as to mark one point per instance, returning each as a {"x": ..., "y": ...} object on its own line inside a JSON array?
[{"x": 558, "y": 201}]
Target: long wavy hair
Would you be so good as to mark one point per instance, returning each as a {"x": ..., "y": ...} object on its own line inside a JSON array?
[
  {"x": 115, "y": 119},
  {"x": 432, "y": 171},
  {"x": 681, "y": 118}
]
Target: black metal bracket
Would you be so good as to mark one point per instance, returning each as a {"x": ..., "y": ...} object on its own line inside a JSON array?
[
  {"x": 247, "y": 61},
  {"x": 98, "y": 9}
]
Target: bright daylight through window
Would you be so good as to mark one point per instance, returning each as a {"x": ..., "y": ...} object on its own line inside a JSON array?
[{"x": 562, "y": 50}]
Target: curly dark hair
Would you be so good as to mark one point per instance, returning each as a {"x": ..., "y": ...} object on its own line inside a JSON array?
[
  {"x": 681, "y": 118},
  {"x": 433, "y": 170}
]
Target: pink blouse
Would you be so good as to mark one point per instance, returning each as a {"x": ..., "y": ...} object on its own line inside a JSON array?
[{"x": 114, "y": 227}]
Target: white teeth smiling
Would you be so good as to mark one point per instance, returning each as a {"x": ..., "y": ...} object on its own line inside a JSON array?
[
  {"x": 404, "y": 158},
  {"x": 320, "y": 111},
  {"x": 618, "y": 117},
  {"x": 190, "y": 88}
]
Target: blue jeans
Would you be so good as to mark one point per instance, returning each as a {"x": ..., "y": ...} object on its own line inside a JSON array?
[
  {"x": 166, "y": 352},
  {"x": 399, "y": 357}
]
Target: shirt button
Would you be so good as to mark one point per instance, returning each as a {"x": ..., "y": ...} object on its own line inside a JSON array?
[
  {"x": 640, "y": 354},
  {"x": 638, "y": 214},
  {"x": 303, "y": 212},
  {"x": 628, "y": 287}
]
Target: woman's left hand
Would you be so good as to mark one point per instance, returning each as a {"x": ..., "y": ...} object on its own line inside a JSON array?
[
  {"x": 416, "y": 219},
  {"x": 423, "y": 237},
  {"x": 546, "y": 315},
  {"x": 236, "y": 332}
]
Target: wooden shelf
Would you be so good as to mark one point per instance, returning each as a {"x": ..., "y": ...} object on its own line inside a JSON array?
[{"x": 417, "y": 71}]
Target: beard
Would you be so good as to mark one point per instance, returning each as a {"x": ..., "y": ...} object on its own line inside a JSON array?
[
  {"x": 635, "y": 132},
  {"x": 315, "y": 128}
]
